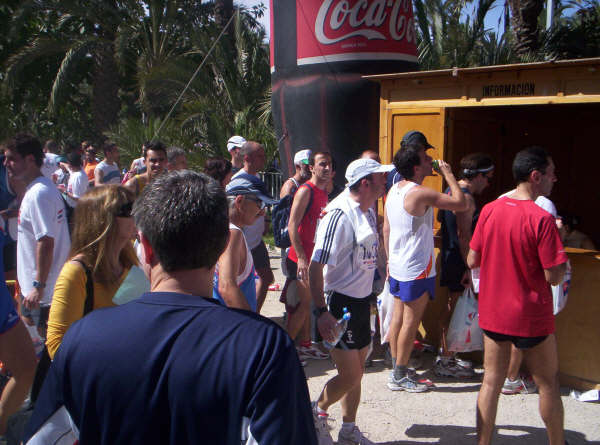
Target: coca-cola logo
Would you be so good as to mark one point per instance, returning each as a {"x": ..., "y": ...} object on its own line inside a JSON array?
[{"x": 364, "y": 19}]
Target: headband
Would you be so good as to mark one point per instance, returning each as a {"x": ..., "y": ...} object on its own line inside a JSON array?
[{"x": 469, "y": 171}]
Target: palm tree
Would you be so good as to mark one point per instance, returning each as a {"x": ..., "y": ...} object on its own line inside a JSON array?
[
  {"x": 447, "y": 39},
  {"x": 83, "y": 34},
  {"x": 224, "y": 98},
  {"x": 524, "y": 16}
]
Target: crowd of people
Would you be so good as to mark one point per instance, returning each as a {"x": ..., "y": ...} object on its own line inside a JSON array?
[{"x": 190, "y": 359}]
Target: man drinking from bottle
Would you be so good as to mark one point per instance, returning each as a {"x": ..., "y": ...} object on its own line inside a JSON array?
[{"x": 343, "y": 264}]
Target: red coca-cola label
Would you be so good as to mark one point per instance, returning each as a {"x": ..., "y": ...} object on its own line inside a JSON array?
[{"x": 345, "y": 30}]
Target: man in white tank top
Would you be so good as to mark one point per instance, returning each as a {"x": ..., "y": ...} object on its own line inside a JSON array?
[{"x": 408, "y": 238}]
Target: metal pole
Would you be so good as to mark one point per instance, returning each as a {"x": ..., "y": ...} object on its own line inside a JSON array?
[{"x": 549, "y": 13}]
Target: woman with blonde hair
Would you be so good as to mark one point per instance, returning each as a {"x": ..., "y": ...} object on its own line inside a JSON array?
[{"x": 101, "y": 257}]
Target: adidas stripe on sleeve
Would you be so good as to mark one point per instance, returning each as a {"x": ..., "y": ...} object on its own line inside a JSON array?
[{"x": 334, "y": 238}]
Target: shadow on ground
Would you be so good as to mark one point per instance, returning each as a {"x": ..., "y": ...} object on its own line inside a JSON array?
[{"x": 505, "y": 435}]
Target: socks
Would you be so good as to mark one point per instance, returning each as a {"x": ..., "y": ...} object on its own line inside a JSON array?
[
  {"x": 348, "y": 426},
  {"x": 320, "y": 412},
  {"x": 393, "y": 362},
  {"x": 400, "y": 371}
]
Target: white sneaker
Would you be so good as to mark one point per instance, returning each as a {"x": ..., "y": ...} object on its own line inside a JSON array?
[
  {"x": 323, "y": 434},
  {"x": 353, "y": 437},
  {"x": 311, "y": 352}
]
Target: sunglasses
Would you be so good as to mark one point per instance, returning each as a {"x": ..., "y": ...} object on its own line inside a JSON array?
[
  {"x": 125, "y": 210},
  {"x": 260, "y": 203}
]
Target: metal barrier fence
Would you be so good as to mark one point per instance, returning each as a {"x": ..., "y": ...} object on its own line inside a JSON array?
[{"x": 273, "y": 181}]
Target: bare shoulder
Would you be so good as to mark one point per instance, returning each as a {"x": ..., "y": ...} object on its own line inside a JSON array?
[{"x": 286, "y": 188}]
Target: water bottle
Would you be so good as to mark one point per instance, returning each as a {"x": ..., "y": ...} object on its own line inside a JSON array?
[{"x": 340, "y": 327}]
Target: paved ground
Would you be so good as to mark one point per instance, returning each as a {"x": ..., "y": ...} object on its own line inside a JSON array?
[{"x": 445, "y": 415}]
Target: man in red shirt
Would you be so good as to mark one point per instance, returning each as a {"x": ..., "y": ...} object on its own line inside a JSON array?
[
  {"x": 309, "y": 201},
  {"x": 517, "y": 246}
]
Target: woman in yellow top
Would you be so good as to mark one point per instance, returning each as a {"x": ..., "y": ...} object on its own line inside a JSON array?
[{"x": 101, "y": 239}]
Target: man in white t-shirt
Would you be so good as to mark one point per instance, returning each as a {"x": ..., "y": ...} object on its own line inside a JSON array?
[
  {"x": 78, "y": 180},
  {"x": 50, "y": 162},
  {"x": 254, "y": 158},
  {"x": 107, "y": 171},
  {"x": 43, "y": 236},
  {"x": 342, "y": 267}
]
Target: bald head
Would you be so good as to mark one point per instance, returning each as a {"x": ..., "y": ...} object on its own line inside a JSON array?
[
  {"x": 371, "y": 154},
  {"x": 253, "y": 155}
]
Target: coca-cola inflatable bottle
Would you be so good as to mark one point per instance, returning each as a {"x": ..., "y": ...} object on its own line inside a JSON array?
[{"x": 319, "y": 50}]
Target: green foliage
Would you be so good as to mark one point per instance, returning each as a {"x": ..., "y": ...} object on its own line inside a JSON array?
[
  {"x": 577, "y": 36},
  {"x": 451, "y": 33},
  {"x": 90, "y": 69},
  {"x": 448, "y": 35}
]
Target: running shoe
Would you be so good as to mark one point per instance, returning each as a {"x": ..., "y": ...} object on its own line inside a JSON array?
[
  {"x": 411, "y": 372},
  {"x": 311, "y": 352},
  {"x": 353, "y": 437},
  {"x": 521, "y": 385},
  {"x": 323, "y": 434},
  {"x": 464, "y": 363},
  {"x": 450, "y": 368},
  {"x": 406, "y": 383}
]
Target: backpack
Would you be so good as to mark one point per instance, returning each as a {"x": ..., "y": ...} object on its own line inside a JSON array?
[
  {"x": 280, "y": 217},
  {"x": 69, "y": 212}
]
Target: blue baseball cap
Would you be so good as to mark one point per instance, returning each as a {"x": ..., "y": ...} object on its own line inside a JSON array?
[{"x": 246, "y": 184}]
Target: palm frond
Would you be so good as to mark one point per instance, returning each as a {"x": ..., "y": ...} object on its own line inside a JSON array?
[
  {"x": 40, "y": 47},
  {"x": 60, "y": 87}
]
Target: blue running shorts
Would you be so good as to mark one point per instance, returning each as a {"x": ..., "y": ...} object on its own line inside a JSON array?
[{"x": 411, "y": 290}]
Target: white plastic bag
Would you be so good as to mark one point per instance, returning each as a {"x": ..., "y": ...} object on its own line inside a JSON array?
[
  {"x": 385, "y": 307},
  {"x": 464, "y": 333},
  {"x": 560, "y": 292}
]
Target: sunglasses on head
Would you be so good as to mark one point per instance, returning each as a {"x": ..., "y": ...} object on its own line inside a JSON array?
[{"x": 125, "y": 210}]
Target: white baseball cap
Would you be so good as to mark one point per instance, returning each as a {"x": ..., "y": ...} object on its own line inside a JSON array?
[
  {"x": 302, "y": 157},
  {"x": 235, "y": 142},
  {"x": 363, "y": 167}
]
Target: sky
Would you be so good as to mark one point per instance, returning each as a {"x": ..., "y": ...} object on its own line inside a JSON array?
[{"x": 493, "y": 21}]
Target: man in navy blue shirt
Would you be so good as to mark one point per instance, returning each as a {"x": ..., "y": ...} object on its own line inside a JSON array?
[{"x": 174, "y": 366}]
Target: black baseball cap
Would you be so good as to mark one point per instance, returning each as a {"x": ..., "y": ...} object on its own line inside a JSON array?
[{"x": 415, "y": 137}]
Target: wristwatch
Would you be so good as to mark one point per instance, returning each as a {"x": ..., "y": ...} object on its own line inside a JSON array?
[
  {"x": 318, "y": 311},
  {"x": 38, "y": 284}
]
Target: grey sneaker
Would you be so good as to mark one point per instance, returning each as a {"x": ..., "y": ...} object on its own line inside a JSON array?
[
  {"x": 522, "y": 385},
  {"x": 353, "y": 437},
  {"x": 450, "y": 368},
  {"x": 323, "y": 434},
  {"x": 406, "y": 383}
]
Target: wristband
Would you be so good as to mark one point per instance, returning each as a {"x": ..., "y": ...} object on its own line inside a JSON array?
[
  {"x": 38, "y": 285},
  {"x": 318, "y": 311}
]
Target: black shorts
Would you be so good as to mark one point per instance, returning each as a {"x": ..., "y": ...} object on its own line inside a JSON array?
[
  {"x": 453, "y": 269},
  {"x": 260, "y": 256},
  {"x": 519, "y": 342},
  {"x": 292, "y": 269},
  {"x": 10, "y": 256},
  {"x": 358, "y": 334}
]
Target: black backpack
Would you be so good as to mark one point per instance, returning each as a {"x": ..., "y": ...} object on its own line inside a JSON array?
[
  {"x": 280, "y": 217},
  {"x": 69, "y": 211}
]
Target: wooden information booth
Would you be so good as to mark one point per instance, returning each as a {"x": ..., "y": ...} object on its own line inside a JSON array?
[{"x": 501, "y": 110}]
